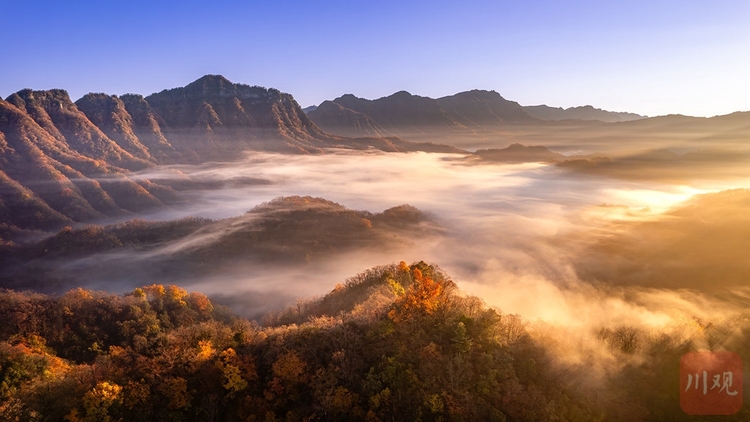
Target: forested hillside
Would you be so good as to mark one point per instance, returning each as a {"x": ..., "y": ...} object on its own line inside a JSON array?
[
  {"x": 398, "y": 342},
  {"x": 286, "y": 231}
]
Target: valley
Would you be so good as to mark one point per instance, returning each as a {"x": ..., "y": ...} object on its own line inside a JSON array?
[{"x": 603, "y": 244}]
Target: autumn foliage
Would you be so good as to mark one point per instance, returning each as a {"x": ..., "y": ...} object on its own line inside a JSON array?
[
  {"x": 398, "y": 342},
  {"x": 423, "y": 298}
]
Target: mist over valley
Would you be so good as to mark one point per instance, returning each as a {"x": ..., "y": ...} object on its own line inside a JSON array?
[{"x": 602, "y": 239}]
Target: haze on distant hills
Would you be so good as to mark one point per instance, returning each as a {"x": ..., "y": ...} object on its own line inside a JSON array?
[
  {"x": 604, "y": 250},
  {"x": 105, "y": 159},
  {"x": 63, "y": 162},
  {"x": 475, "y": 111},
  {"x": 587, "y": 112},
  {"x": 404, "y": 113},
  {"x": 485, "y": 120},
  {"x": 285, "y": 232}
]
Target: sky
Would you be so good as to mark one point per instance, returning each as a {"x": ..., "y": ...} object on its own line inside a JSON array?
[{"x": 649, "y": 57}]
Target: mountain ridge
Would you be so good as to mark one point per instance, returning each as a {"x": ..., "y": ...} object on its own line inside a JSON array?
[
  {"x": 66, "y": 161},
  {"x": 586, "y": 112},
  {"x": 404, "y": 112},
  {"x": 475, "y": 111}
]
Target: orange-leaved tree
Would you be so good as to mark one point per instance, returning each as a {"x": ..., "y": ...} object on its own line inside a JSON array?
[{"x": 423, "y": 297}]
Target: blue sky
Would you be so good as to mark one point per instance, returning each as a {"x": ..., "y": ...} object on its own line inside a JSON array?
[{"x": 650, "y": 57}]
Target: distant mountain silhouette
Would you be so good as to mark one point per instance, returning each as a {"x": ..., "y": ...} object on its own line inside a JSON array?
[
  {"x": 63, "y": 162},
  {"x": 475, "y": 111},
  {"x": 580, "y": 113},
  {"x": 399, "y": 110},
  {"x": 403, "y": 112},
  {"x": 484, "y": 108},
  {"x": 346, "y": 121}
]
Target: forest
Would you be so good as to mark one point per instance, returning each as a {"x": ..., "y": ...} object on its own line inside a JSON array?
[
  {"x": 150, "y": 248},
  {"x": 383, "y": 211},
  {"x": 396, "y": 342}
]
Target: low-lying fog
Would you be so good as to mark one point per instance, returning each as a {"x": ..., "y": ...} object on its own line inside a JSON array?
[{"x": 532, "y": 239}]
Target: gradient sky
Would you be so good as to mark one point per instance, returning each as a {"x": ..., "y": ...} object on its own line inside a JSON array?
[{"x": 649, "y": 57}]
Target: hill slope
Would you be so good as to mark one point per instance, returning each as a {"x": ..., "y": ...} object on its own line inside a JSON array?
[
  {"x": 285, "y": 232},
  {"x": 416, "y": 349},
  {"x": 397, "y": 342},
  {"x": 70, "y": 162}
]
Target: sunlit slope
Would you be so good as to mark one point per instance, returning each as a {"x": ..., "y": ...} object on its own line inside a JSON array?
[
  {"x": 75, "y": 159},
  {"x": 701, "y": 244},
  {"x": 394, "y": 342},
  {"x": 679, "y": 133}
]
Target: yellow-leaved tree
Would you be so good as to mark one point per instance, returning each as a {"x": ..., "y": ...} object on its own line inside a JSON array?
[{"x": 423, "y": 297}]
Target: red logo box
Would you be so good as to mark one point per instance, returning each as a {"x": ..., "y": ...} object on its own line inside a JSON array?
[{"x": 711, "y": 383}]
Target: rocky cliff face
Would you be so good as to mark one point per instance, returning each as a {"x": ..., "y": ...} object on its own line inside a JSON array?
[
  {"x": 47, "y": 180},
  {"x": 214, "y": 115},
  {"x": 484, "y": 109},
  {"x": 57, "y": 115},
  {"x": 147, "y": 127},
  {"x": 63, "y": 162},
  {"x": 347, "y": 122},
  {"x": 108, "y": 113}
]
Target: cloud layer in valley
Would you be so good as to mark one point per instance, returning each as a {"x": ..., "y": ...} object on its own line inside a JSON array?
[
  {"x": 529, "y": 238},
  {"x": 521, "y": 236}
]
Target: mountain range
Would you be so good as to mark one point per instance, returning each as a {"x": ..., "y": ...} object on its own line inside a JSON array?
[
  {"x": 587, "y": 112},
  {"x": 403, "y": 112},
  {"x": 63, "y": 161},
  {"x": 475, "y": 111}
]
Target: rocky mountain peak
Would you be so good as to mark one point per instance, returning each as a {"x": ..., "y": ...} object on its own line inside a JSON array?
[
  {"x": 211, "y": 85},
  {"x": 479, "y": 94},
  {"x": 217, "y": 87},
  {"x": 49, "y": 99},
  {"x": 401, "y": 94},
  {"x": 63, "y": 162},
  {"x": 346, "y": 97}
]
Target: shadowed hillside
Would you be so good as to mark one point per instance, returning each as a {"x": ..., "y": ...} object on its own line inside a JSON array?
[
  {"x": 285, "y": 232},
  {"x": 70, "y": 162}
]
